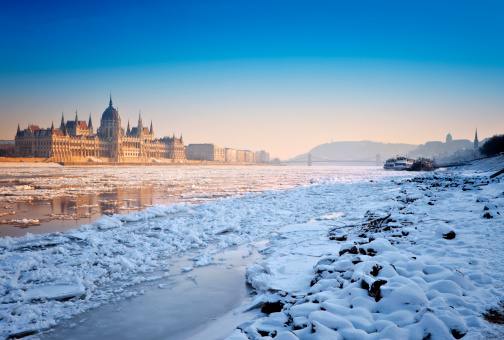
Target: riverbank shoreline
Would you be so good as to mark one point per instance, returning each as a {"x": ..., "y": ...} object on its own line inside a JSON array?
[
  {"x": 423, "y": 260},
  {"x": 10, "y": 161}
]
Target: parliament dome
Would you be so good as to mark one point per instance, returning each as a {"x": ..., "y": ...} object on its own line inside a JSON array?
[{"x": 110, "y": 113}]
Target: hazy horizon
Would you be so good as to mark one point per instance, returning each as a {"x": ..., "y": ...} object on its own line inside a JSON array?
[{"x": 282, "y": 77}]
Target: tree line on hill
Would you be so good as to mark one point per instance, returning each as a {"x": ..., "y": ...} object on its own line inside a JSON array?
[{"x": 493, "y": 146}]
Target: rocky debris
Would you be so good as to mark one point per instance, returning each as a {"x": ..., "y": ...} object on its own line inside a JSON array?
[{"x": 495, "y": 315}]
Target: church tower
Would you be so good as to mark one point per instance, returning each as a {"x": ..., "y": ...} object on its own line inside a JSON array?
[{"x": 476, "y": 142}]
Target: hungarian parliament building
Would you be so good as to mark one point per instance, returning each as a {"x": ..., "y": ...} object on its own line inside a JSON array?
[{"x": 75, "y": 141}]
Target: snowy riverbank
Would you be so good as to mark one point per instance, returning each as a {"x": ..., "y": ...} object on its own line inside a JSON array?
[
  {"x": 433, "y": 285},
  {"x": 415, "y": 259}
]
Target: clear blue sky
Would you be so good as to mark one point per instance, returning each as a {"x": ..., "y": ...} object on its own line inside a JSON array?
[{"x": 277, "y": 75}]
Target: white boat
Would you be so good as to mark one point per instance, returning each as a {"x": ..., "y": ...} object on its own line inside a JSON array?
[{"x": 398, "y": 163}]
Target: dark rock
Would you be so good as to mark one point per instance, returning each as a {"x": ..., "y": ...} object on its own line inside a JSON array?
[
  {"x": 450, "y": 235},
  {"x": 371, "y": 252},
  {"x": 272, "y": 307},
  {"x": 365, "y": 285},
  {"x": 266, "y": 333},
  {"x": 487, "y": 215},
  {"x": 338, "y": 238},
  {"x": 495, "y": 315},
  {"x": 374, "y": 290},
  {"x": 21, "y": 334},
  {"x": 376, "y": 270},
  {"x": 457, "y": 335},
  {"x": 352, "y": 250}
]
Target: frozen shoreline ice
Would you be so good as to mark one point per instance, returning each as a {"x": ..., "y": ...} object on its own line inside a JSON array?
[{"x": 93, "y": 264}]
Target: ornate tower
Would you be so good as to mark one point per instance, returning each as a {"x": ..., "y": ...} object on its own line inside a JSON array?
[
  {"x": 110, "y": 123},
  {"x": 90, "y": 124},
  {"x": 62, "y": 125},
  {"x": 140, "y": 124}
]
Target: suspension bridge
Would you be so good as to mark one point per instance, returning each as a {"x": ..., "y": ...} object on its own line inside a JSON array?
[{"x": 309, "y": 160}]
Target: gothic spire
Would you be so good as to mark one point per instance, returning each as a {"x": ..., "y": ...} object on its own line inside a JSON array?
[
  {"x": 128, "y": 130},
  {"x": 110, "y": 103},
  {"x": 151, "y": 131},
  {"x": 476, "y": 142},
  {"x": 62, "y": 125},
  {"x": 52, "y": 127},
  {"x": 90, "y": 124},
  {"x": 76, "y": 118},
  {"x": 140, "y": 124}
]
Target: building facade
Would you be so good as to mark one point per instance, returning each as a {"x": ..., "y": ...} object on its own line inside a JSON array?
[
  {"x": 76, "y": 141},
  {"x": 205, "y": 152},
  {"x": 215, "y": 153},
  {"x": 230, "y": 155},
  {"x": 263, "y": 156}
]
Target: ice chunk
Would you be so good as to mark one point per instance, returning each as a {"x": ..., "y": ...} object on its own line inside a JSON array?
[{"x": 54, "y": 292}]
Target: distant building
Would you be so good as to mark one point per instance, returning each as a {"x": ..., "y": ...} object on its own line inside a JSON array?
[
  {"x": 230, "y": 155},
  {"x": 439, "y": 149},
  {"x": 263, "y": 156},
  {"x": 76, "y": 141},
  {"x": 476, "y": 142},
  {"x": 205, "y": 152},
  {"x": 240, "y": 156},
  {"x": 6, "y": 148},
  {"x": 249, "y": 156}
]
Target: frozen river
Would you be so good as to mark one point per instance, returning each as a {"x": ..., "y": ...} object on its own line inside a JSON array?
[
  {"x": 39, "y": 198},
  {"x": 181, "y": 252},
  {"x": 155, "y": 250}
]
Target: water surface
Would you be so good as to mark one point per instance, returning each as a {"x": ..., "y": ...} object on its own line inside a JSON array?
[{"x": 47, "y": 198}]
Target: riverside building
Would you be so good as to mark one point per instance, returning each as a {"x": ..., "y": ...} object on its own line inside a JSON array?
[
  {"x": 214, "y": 153},
  {"x": 75, "y": 141}
]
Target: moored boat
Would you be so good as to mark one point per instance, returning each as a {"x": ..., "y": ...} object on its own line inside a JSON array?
[{"x": 398, "y": 163}]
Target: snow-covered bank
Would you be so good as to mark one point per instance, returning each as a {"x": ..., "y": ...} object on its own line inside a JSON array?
[
  {"x": 46, "y": 278},
  {"x": 411, "y": 259}
]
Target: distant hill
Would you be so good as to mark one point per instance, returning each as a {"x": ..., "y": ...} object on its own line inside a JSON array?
[{"x": 357, "y": 151}]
